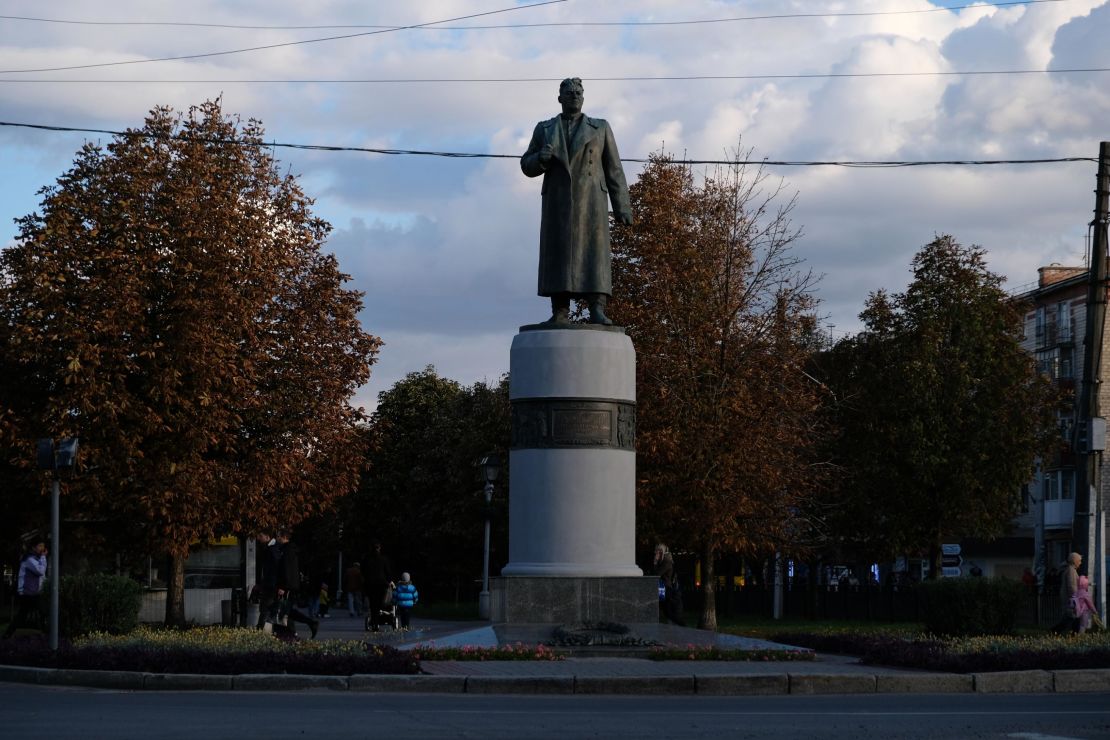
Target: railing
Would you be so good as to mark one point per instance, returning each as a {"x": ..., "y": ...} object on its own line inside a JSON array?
[{"x": 862, "y": 603}]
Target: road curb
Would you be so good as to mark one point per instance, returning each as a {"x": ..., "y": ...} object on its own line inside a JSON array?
[
  {"x": 925, "y": 683},
  {"x": 381, "y": 683},
  {"x": 129, "y": 680},
  {"x": 742, "y": 685},
  {"x": 739, "y": 684},
  {"x": 286, "y": 682},
  {"x": 1014, "y": 682},
  {"x": 520, "y": 685},
  {"x": 639, "y": 685},
  {"x": 1081, "y": 680},
  {"x": 833, "y": 683},
  {"x": 186, "y": 682}
]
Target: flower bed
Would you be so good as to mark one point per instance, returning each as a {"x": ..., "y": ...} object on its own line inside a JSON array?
[
  {"x": 209, "y": 650},
  {"x": 703, "y": 652},
  {"x": 963, "y": 654},
  {"x": 502, "y": 652}
]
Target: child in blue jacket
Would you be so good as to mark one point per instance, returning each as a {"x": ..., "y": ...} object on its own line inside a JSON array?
[{"x": 405, "y": 598}]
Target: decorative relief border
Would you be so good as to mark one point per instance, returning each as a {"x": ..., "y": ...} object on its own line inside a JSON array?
[{"x": 573, "y": 423}]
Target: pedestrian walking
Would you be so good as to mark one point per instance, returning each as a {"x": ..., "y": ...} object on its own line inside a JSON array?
[
  {"x": 1069, "y": 584},
  {"x": 1083, "y": 604},
  {"x": 32, "y": 571},
  {"x": 354, "y": 581},
  {"x": 670, "y": 595},
  {"x": 265, "y": 591},
  {"x": 405, "y": 597},
  {"x": 376, "y": 579},
  {"x": 289, "y": 582},
  {"x": 319, "y": 606}
]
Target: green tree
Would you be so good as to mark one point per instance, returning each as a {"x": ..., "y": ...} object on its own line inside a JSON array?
[
  {"x": 942, "y": 413},
  {"x": 421, "y": 495},
  {"x": 171, "y": 306},
  {"x": 722, "y": 319}
]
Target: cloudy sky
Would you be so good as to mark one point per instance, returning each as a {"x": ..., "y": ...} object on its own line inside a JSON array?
[{"x": 446, "y": 248}]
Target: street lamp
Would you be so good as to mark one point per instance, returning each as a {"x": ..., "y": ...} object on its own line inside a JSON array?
[
  {"x": 491, "y": 467},
  {"x": 53, "y": 457}
]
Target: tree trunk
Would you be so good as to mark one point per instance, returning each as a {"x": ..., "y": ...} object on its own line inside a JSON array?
[
  {"x": 708, "y": 619},
  {"x": 175, "y": 592}
]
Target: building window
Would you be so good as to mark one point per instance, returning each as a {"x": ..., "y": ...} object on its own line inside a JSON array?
[
  {"x": 1063, "y": 321},
  {"x": 1056, "y": 363},
  {"x": 1059, "y": 485}
]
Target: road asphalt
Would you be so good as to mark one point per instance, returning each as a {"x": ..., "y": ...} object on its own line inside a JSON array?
[{"x": 611, "y": 672}]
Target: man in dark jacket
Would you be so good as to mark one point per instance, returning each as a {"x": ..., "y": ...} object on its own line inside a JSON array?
[
  {"x": 577, "y": 156},
  {"x": 289, "y": 580},
  {"x": 267, "y": 555}
]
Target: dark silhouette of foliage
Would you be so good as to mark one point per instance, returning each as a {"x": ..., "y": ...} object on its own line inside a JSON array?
[
  {"x": 421, "y": 495},
  {"x": 941, "y": 412}
]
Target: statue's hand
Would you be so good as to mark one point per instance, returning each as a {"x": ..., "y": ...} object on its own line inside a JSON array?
[
  {"x": 546, "y": 152},
  {"x": 625, "y": 218}
]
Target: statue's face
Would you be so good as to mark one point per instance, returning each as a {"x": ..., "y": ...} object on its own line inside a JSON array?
[{"x": 571, "y": 98}]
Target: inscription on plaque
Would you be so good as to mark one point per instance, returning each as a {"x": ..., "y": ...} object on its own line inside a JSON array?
[
  {"x": 562, "y": 422},
  {"x": 582, "y": 426}
]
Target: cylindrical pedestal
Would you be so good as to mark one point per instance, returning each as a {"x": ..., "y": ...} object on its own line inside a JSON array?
[{"x": 572, "y": 497}]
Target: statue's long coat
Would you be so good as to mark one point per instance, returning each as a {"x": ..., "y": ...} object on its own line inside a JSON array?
[{"x": 581, "y": 178}]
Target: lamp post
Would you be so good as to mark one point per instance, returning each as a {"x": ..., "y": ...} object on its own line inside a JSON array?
[
  {"x": 491, "y": 467},
  {"x": 56, "y": 458}
]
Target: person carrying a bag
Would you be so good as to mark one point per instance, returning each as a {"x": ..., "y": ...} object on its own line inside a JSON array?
[{"x": 670, "y": 603}]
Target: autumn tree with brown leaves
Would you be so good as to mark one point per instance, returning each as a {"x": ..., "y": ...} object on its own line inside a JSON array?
[
  {"x": 722, "y": 319},
  {"x": 172, "y": 307}
]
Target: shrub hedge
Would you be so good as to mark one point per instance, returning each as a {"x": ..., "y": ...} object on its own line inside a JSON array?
[
  {"x": 971, "y": 606},
  {"x": 98, "y": 602},
  {"x": 963, "y": 654},
  {"x": 214, "y": 650}
]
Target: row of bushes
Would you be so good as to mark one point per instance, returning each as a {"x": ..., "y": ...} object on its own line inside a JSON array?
[
  {"x": 209, "y": 650},
  {"x": 971, "y": 606},
  {"x": 962, "y": 654}
]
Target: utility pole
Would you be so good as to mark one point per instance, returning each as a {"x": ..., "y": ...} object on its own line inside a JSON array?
[{"x": 1088, "y": 528}]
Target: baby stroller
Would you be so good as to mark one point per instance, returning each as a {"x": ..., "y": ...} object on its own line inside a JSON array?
[{"x": 387, "y": 610}]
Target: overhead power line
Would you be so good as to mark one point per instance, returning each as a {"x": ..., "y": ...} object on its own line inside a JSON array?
[
  {"x": 640, "y": 78},
  {"x": 477, "y": 155},
  {"x": 552, "y": 24},
  {"x": 281, "y": 45}
]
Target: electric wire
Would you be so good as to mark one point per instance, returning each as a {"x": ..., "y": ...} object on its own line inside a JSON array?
[
  {"x": 640, "y": 78},
  {"x": 280, "y": 45},
  {"x": 551, "y": 24},
  {"x": 864, "y": 164}
]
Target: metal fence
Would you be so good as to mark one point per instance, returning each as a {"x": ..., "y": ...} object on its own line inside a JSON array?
[{"x": 859, "y": 603}]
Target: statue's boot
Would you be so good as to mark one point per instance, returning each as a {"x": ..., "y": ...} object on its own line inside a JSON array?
[
  {"x": 598, "y": 302},
  {"x": 560, "y": 310}
]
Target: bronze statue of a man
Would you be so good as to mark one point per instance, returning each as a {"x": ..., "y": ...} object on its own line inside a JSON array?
[{"x": 582, "y": 173}]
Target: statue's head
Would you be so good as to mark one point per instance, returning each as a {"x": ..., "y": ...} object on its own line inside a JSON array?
[{"x": 571, "y": 95}]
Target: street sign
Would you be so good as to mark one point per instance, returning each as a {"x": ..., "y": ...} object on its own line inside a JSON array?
[
  {"x": 951, "y": 561},
  {"x": 950, "y": 549},
  {"x": 951, "y": 572}
]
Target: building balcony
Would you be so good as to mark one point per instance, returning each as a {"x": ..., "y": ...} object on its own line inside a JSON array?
[{"x": 1059, "y": 513}]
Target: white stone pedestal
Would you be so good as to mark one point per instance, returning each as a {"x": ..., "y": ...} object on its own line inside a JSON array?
[{"x": 572, "y": 496}]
